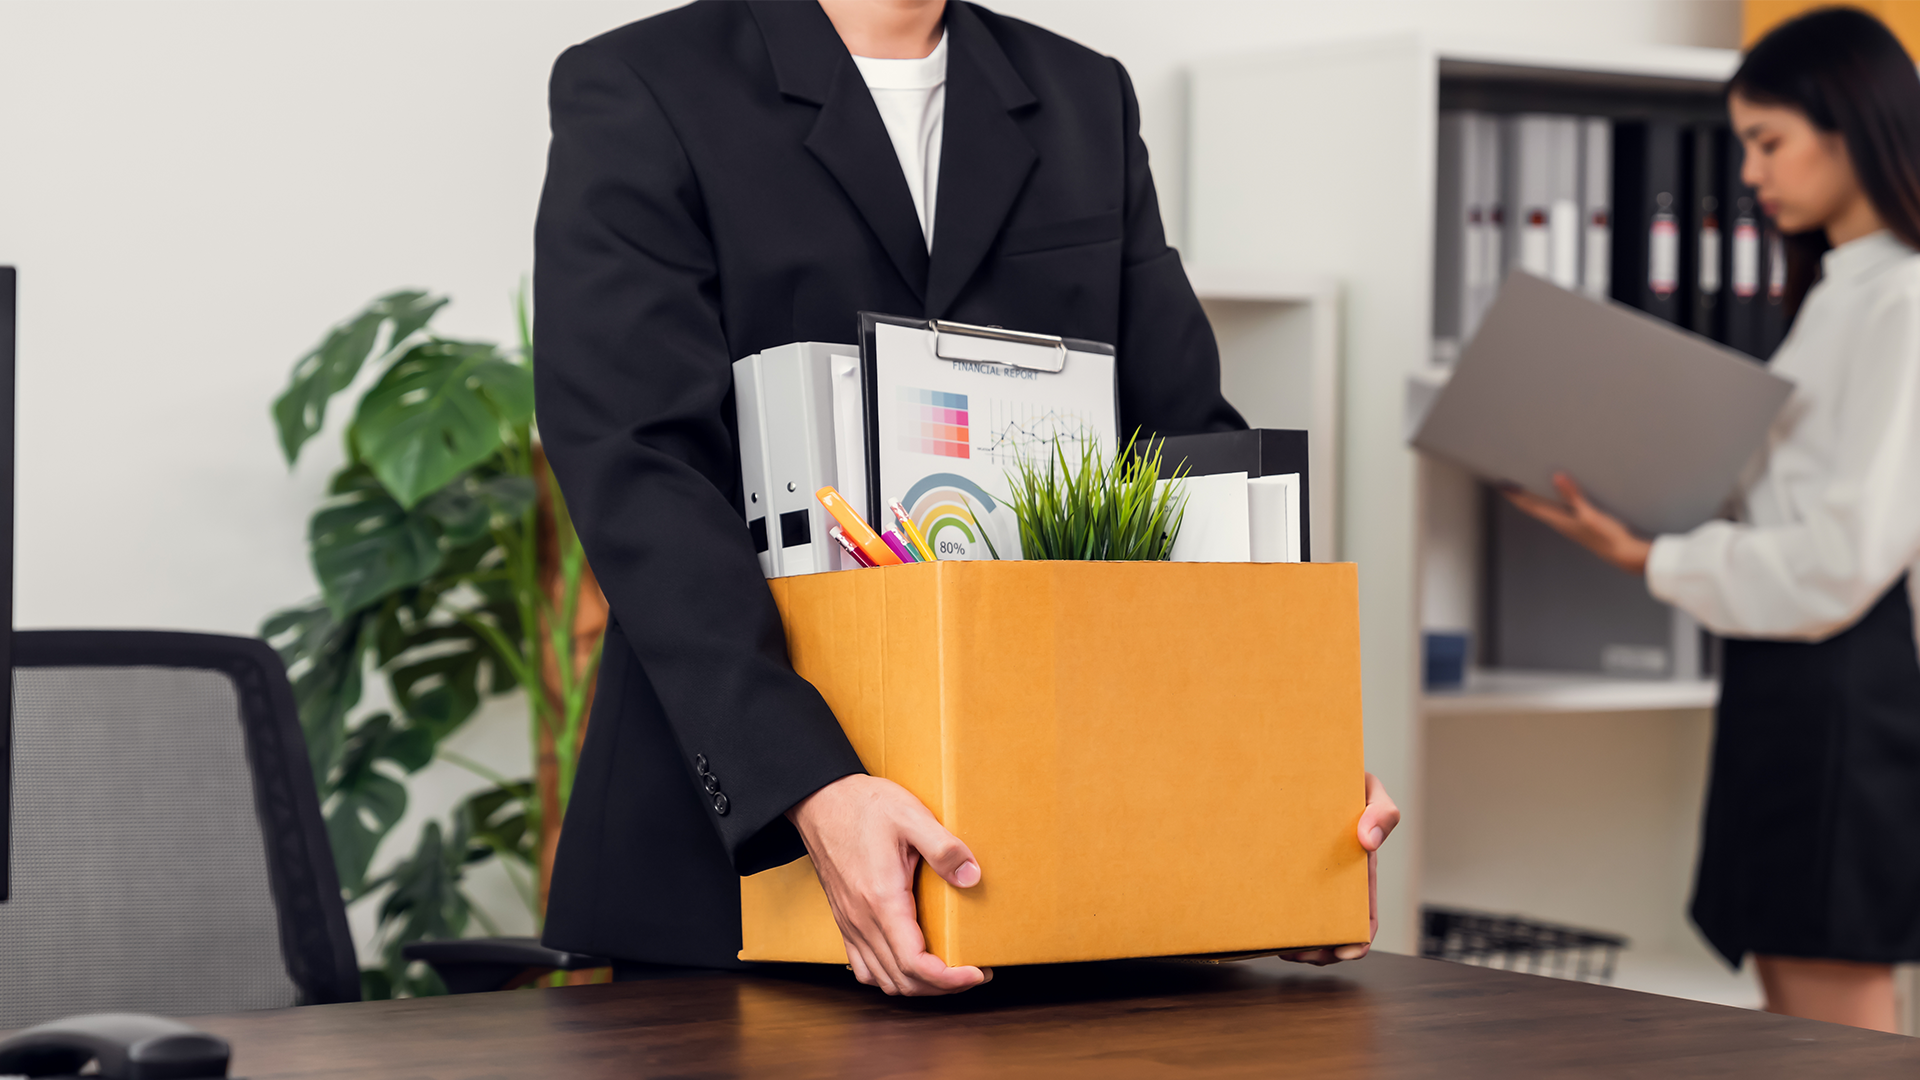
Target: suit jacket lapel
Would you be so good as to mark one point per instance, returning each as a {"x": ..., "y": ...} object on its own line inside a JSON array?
[
  {"x": 984, "y": 156},
  {"x": 848, "y": 137}
]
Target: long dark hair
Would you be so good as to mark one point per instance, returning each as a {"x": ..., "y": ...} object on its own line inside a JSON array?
[{"x": 1847, "y": 72}]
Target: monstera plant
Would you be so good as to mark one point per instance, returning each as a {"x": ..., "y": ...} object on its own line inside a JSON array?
[{"x": 447, "y": 566}]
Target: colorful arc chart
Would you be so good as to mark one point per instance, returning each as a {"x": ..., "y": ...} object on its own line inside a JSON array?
[{"x": 949, "y": 507}]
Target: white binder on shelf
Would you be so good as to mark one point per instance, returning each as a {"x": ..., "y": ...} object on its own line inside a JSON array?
[
  {"x": 1543, "y": 196},
  {"x": 1490, "y": 266},
  {"x": 1596, "y": 207},
  {"x": 1456, "y": 234},
  {"x": 950, "y": 409},
  {"x": 1468, "y": 256},
  {"x": 801, "y": 423}
]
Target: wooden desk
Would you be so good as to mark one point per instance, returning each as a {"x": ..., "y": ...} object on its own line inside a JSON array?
[{"x": 1385, "y": 1016}]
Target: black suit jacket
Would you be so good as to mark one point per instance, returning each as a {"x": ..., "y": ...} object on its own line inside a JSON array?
[{"x": 720, "y": 182}]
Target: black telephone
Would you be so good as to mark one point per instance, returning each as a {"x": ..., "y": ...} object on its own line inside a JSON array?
[{"x": 124, "y": 1046}]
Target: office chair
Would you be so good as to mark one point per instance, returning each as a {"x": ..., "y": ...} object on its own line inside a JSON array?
[{"x": 168, "y": 850}]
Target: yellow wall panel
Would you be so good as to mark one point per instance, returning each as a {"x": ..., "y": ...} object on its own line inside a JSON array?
[{"x": 1901, "y": 16}]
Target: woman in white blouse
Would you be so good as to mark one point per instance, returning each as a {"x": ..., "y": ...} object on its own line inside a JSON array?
[{"x": 1810, "y": 852}]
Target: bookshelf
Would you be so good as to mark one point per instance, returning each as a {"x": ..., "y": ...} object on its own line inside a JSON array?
[{"x": 1317, "y": 162}]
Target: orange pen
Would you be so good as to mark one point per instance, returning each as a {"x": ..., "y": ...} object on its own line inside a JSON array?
[{"x": 856, "y": 528}]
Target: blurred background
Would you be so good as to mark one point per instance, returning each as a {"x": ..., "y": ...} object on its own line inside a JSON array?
[{"x": 194, "y": 192}]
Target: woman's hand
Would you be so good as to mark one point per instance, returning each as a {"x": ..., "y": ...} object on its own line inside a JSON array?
[
  {"x": 1587, "y": 525},
  {"x": 866, "y": 835},
  {"x": 1376, "y": 822}
]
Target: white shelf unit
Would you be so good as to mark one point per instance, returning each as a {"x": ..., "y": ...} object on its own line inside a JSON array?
[
  {"x": 1317, "y": 162},
  {"x": 1279, "y": 338},
  {"x": 1541, "y": 692}
]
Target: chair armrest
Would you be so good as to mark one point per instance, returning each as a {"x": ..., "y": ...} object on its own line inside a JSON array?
[{"x": 472, "y": 965}]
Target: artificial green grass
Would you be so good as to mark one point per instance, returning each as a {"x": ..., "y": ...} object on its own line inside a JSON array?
[{"x": 1096, "y": 508}]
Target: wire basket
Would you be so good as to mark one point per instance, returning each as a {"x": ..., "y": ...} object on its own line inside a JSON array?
[{"x": 1512, "y": 943}]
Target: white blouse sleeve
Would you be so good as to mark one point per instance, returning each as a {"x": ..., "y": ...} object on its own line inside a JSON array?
[{"x": 1815, "y": 577}]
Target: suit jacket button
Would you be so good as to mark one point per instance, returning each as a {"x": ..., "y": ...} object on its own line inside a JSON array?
[
  {"x": 700, "y": 763},
  {"x": 713, "y": 784},
  {"x": 720, "y": 804}
]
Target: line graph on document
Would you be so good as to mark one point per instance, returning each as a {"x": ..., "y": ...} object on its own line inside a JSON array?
[{"x": 1014, "y": 430}]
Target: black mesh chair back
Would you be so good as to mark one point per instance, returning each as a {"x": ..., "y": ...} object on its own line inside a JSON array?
[{"x": 168, "y": 851}]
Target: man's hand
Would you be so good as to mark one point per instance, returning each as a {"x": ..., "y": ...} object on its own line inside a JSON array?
[
  {"x": 1587, "y": 525},
  {"x": 1376, "y": 821},
  {"x": 866, "y": 835}
]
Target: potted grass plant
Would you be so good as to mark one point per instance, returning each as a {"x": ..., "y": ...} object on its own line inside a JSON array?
[{"x": 1087, "y": 505}]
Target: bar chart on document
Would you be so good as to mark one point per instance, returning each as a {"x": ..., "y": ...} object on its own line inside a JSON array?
[{"x": 950, "y": 433}]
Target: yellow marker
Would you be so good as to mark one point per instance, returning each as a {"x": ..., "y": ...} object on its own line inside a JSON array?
[
  {"x": 907, "y": 526},
  {"x": 856, "y": 528}
]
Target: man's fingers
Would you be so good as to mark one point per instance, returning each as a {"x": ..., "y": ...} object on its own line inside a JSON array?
[
  {"x": 938, "y": 977},
  {"x": 883, "y": 937},
  {"x": 1373, "y": 896},
  {"x": 943, "y": 852},
  {"x": 906, "y": 946},
  {"x": 1380, "y": 817},
  {"x": 866, "y": 965},
  {"x": 921, "y": 972},
  {"x": 857, "y": 960}
]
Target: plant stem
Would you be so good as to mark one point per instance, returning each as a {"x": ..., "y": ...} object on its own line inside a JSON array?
[{"x": 473, "y": 767}]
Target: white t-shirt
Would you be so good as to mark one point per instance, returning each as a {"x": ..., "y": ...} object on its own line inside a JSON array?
[
  {"x": 1832, "y": 508},
  {"x": 912, "y": 96}
]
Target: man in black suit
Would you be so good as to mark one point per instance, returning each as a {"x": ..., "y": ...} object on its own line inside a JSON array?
[{"x": 721, "y": 181}]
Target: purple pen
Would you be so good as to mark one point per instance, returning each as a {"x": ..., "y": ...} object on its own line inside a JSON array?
[{"x": 899, "y": 547}]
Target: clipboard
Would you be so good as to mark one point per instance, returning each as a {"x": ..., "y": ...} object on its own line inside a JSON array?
[{"x": 950, "y": 407}]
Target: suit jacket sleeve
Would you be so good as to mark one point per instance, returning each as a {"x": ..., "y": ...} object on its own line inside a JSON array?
[
  {"x": 633, "y": 377},
  {"x": 1169, "y": 365}
]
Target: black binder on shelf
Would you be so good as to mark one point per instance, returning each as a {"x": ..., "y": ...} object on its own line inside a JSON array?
[
  {"x": 1650, "y": 261},
  {"x": 1744, "y": 297},
  {"x": 1705, "y": 232}
]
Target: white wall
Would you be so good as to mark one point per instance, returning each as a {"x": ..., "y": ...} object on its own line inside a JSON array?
[{"x": 194, "y": 191}]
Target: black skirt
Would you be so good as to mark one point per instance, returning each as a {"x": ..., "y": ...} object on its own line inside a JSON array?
[{"x": 1811, "y": 841}]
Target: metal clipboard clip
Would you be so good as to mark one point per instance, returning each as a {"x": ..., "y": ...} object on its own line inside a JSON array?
[{"x": 992, "y": 345}]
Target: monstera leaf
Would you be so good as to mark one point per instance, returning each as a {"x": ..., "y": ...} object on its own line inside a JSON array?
[
  {"x": 469, "y": 507},
  {"x": 497, "y": 820},
  {"x": 443, "y": 408},
  {"x": 424, "y": 901},
  {"x": 300, "y": 411},
  {"x": 325, "y": 658},
  {"x": 441, "y": 688},
  {"x": 366, "y": 546},
  {"x": 367, "y": 801}
]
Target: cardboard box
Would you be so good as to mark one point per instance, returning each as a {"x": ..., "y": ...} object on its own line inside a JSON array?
[{"x": 1148, "y": 759}]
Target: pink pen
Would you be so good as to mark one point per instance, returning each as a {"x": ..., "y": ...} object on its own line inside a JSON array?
[{"x": 852, "y": 549}]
